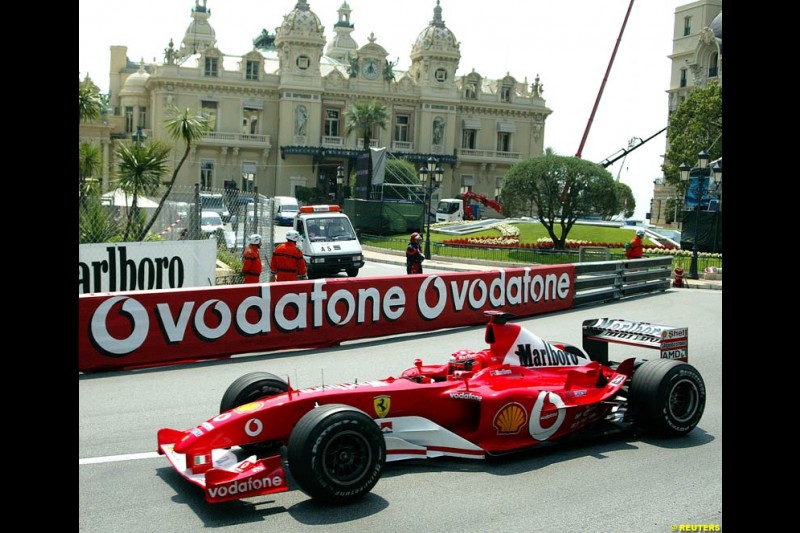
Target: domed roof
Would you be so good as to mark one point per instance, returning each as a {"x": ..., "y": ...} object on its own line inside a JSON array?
[
  {"x": 716, "y": 26},
  {"x": 300, "y": 22},
  {"x": 436, "y": 36},
  {"x": 135, "y": 83}
]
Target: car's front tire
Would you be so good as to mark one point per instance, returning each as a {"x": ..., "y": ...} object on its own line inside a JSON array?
[
  {"x": 336, "y": 453},
  {"x": 249, "y": 388},
  {"x": 667, "y": 397}
]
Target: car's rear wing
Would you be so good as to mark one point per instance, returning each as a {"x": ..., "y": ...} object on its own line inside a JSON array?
[{"x": 671, "y": 342}]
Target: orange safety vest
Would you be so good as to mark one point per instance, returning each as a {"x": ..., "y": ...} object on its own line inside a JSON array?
[
  {"x": 251, "y": 267},
  {"x": 634, "y": 251},
  {"x": 287, "y": 262}
]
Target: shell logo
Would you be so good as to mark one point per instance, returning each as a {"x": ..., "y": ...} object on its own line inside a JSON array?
[
  {"x": 510, "y": 419},
  {"x": 248, "y": 407}
]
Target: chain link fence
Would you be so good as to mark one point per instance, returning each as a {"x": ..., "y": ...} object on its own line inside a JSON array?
[{"x": 188, "y": 213}]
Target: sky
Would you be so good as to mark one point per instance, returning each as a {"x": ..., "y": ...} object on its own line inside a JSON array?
[{"x": 567, "y": 43}]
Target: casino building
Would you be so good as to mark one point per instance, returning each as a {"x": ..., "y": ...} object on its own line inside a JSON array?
[{"x": 278, "y": 110}]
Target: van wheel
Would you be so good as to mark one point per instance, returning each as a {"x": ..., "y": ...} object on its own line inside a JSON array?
[{"x": 352, "y": 272}]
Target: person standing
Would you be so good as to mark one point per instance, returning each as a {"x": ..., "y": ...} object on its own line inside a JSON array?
[
  {"x": 414, "y": 256},
  {"x": 287, "y": 262},
  {"x": 634, "y": 249},
  {"x": 251, "y": 267}
]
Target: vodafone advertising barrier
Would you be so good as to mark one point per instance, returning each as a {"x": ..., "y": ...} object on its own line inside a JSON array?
[{"x": 156, "y": 327}]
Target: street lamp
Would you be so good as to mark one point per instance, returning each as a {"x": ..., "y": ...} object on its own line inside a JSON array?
[
  {"x": 139, "y": 137},
  {"x": 433, "y": 172},
  {"x": 339, "y": 180},
  {"x": 715, "y": 173}
]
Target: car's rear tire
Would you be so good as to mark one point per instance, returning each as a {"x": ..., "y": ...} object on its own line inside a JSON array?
[
  {"x": 667, "y": 397},
  {"x": 336, "y": 453},
  {"x": 249, "y": 388}
]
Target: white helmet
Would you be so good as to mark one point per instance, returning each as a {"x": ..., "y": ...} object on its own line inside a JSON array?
[
  {"x": 640, "y": 233},
  {"x": 255, "y": 238},
  {"x": 292, "y": 235}
]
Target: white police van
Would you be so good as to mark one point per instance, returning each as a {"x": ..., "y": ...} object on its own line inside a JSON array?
[{"x": 328, "y": 241}]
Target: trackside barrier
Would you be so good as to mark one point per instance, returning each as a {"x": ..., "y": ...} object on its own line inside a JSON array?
[{"x": 605, "y": 281}]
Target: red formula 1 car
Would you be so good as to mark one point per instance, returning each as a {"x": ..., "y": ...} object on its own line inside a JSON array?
[{"x": 520, "y": 392}]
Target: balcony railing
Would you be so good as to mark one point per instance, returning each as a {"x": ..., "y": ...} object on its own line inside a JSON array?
[
  {"x": 333, "y": 142},
  {"x": 218, "y": 137},
  {"x": 470, "y": 154},
  {"x": 402, "y": 146}
]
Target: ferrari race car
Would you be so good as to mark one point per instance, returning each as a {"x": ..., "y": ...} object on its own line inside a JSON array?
[{"x": 519, "y": 393}]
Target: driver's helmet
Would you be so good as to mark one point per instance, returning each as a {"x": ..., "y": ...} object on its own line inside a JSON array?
[
  {"x": 292, "y": 235},
  {"x": 255, "y": 238},
  {"x": 465, "y": 361},
  {"x": 640, "y": 233},
  {"x": 415, "y": 237}
]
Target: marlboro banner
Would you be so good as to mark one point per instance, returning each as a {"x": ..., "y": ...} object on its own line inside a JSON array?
[{"x": 156, "y": 327}]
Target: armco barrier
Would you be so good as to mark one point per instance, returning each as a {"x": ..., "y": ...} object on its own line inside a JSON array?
[{"x": 606, "y": 281}]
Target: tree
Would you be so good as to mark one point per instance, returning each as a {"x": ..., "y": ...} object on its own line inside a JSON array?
[
  {"x": 362, "y": 118},
  {"x": 140, "y": 169},
  {"x": 626, "y": 203},
  {"x": 183, "y": 126},
  {"x": 696, "y": 125},
  {"x": 558, "y": 189},
  {"x": 90, "y": 104},
  {"x": 89, "y": 162}
]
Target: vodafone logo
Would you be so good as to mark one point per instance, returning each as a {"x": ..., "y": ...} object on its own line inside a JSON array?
[
  {"x": 138, "y": 317},
  {"x": 536, "y": 427}
]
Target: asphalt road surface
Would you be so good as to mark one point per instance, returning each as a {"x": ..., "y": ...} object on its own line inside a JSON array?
[{"x": 611, "y": 484}]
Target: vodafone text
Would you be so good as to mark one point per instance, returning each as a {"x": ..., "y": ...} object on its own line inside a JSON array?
[{"x": 318, "y": 307}]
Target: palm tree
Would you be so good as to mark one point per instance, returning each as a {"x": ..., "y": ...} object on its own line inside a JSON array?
[
  {"x": 89, "y": 161},
  {"x": 189, "y": 128},
  {"x": 364, "y": 116},
  {"x": 141, "y": 167},
  {"x": 90, "y": 104}
]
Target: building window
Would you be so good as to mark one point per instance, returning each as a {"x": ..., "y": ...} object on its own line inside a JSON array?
[
  {"x": 142, "y": 118},
  {"x": 505, "y": 93},
  {"x": 687, "y": 26},
  {"x": 252, "y": 68},
  {"x": 128, "y": 120},
  {"x": 211, "y": 67},
  {"x": 468, "y": 139},
  {"x": 248, "y": 176},
  {"x": 206, "y": 174},
  {"x": 683, "y": 77},
  {"x": 498, "y": 186},
  {"x": 471, "y": 93},
  {"x": 441, "y": 74},
  {"x": 250, "y": 121},
  {"x": 303, "y": 62},
  {"x": 467, "y": 183},
  {"x": 208, "y": 109},
  {"x": 401, "y": 128},
  {"x": 712, "y": 70},
  {"x": 503, "y": 141},
  {"x": 332, "y": 122}
]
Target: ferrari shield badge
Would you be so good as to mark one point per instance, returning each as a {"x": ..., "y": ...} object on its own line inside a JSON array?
[{"x": 382, "y": 404}]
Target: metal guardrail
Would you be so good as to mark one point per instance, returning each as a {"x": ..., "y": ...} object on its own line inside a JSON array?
[{"x": 605, "y": 281}]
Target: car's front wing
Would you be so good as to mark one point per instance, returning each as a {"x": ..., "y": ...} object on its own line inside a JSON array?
[{"x": 221, "y": 475}]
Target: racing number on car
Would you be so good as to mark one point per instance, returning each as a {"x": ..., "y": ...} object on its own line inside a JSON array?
[{"x": 535, "y": 428}]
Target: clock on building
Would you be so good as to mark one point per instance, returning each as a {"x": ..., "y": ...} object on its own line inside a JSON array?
[{"x": 370, "y": 69}]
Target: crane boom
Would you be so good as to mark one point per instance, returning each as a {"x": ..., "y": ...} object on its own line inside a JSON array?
[
  {"x": 607, "y": 162},
  {"x": 603, "y": 84}
]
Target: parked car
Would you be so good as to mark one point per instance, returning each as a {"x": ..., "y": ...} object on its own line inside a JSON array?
[
  {"x": 286, "y": 207},
  {"x": 210, "y": 221}
]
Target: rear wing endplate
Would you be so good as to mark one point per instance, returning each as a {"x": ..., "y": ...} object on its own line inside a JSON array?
[{"x": 671, "y": 342}]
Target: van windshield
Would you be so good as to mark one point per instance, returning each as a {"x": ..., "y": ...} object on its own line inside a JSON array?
[
  {"x": 447, "y": 207},
  {"x": 330, "y": 229}
]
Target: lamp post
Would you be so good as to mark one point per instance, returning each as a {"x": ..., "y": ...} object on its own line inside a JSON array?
[
  {"x": 339, "y": 180},
  {"x": 433, "y": 172},
  {"x": 715, "y": 173},
  {"x": 139, "y": 137}
]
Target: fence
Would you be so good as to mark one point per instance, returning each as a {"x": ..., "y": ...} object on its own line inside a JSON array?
[
  {"x": 539, "y": 256},
  {"x": 117, "y": 216}
]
